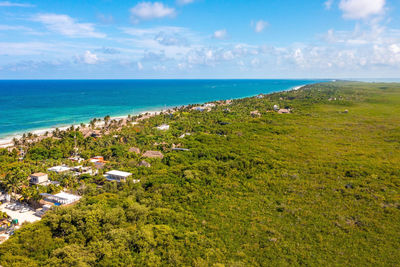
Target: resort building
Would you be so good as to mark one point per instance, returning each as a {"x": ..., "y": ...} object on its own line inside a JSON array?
[
  {"x": 118, "y": 176},
  {"x": 59, "y": 169},
  {"x": 39, "y": 178},
  {"x": 61, "y": 198}
]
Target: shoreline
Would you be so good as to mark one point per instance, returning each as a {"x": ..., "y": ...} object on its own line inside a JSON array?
[{"x": 7, "y": 141}]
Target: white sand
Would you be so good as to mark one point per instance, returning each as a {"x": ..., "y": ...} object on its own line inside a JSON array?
[{"x": 297, "y": 87}]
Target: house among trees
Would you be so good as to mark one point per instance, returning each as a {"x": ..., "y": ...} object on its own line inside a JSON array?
[
  {"x": 118, "y": 176},
  {"x": 39, "y": 178},
  {"x": 144, "y": 163},
  {"x": 284, "y": 111},
  {"x": 59, "y": 169},
  {"x": 134, "y": 150},
  {"x": 61, "y": 198},
  {"x": 255, "y": 113},
  {"x": 153, "y": 154},
  {"x": 163, "y": 127},
  {"x": 98, "y": 161}
]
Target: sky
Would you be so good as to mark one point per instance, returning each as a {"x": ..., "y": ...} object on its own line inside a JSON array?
[{"x": 199, "y": 39}]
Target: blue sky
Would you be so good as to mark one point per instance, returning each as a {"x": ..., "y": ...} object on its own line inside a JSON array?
[{"x": 108, "y": 39}]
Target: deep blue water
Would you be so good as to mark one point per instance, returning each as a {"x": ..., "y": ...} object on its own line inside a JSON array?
[{"x": 28, "y": 105}]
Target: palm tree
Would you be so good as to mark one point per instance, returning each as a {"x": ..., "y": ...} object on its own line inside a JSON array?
[
  {"x": 107, "y": 119},
  {"x": 15, "y": 141},
  {"x": 13, "y": 181}
]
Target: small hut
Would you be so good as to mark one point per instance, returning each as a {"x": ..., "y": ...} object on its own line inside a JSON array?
[
  {"x": 135, "y": 150},
  {"x": 144, "y": 163},
  {"x": 153, "y": 154}
]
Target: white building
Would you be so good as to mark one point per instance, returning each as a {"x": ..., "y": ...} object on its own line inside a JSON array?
[
  {"x": 79, "y": 170},
  {"x": 163, "y": 127},
  {"x": 39, "y": 178},
  {"x": 118, "y": 176},
  {"x": 62, "y": 198},
  {"x": 59, "y": 169}
]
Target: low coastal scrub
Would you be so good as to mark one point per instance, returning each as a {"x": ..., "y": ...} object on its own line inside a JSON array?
[{"x": 319, "y": 185}]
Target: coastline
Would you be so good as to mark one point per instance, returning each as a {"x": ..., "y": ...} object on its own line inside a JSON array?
[{"x": 7, "y": 141}]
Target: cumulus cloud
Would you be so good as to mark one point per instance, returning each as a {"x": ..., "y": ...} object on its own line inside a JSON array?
[
  {"x": 65, "y": 25},
  {"x": 89, "y": 58},
  {"x": 220, "y": 34},
  {"x": 171, "y": 39},
  {"x": 12, "y": 4},
  {"x": 260, "y": 25},
  {"x": 361, "y": 9},
  {"x": 149, "y": 10},
  {"x": 167, "y": 36}
]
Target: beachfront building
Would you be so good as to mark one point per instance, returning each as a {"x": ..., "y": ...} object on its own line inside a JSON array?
[
  {"x": 59, "y": 169},
  {"x": 39, "y": 178},
  {"x": 118, "y": 176}
]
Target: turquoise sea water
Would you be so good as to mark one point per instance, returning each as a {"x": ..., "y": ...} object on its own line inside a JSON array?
[{"x": 29, "y": 105}]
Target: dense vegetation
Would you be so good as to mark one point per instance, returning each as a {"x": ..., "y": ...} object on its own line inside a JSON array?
[{"x": 318, "y": 186}]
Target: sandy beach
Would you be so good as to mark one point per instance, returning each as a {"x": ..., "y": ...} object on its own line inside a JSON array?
[{"x": 7, "y": 142}]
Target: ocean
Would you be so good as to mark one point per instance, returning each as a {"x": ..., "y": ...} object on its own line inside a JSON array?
[{"x": 29, "y": 105}]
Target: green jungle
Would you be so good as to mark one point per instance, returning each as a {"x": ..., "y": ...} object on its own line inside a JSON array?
[{"x": 252, "y": 187}]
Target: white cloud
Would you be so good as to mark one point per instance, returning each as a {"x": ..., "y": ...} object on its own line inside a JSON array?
[
  {"x": 185, "y": 2},
  {"x": 149, "y": 10},
  {"x": 395, "y": 48},
  {"x": 220, "y": 34},
  {"x": 90, "y": 58},
  {"x": 65, "y": 25},
  {"x": 139, "y": 65},
  {"x": 20, "y": 29},
  {"x": 328, "y": 4},
  {"x": 361, "y": 9},
  {"x": 260, "y": 26},
  {"x": 25, "y": 49},
  {"x": 141, "y": 32},
  {"x": 12, "y": 4},
  {"x": 166, "y": 36},
  {"x": 13, "y": 28}
]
